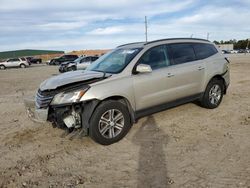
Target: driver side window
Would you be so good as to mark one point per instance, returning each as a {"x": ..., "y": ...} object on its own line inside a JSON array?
[{"x": 156, "y": 57}]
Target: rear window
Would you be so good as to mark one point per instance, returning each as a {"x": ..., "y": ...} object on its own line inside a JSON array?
[
  {"x": 203, "y": 51},
  {"x": 182, "y": 53}
]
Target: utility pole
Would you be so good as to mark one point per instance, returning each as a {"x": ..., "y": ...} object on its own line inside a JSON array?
[
  {"x": 208, "y": 36},
  {"x": 248, "y": 44},
  {"x": 146, "y": 28}
]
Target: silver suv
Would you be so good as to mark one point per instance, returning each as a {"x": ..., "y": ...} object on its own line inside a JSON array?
[
  {"x": 14, "y": 62},
  {"x": 132, "y": 81}
]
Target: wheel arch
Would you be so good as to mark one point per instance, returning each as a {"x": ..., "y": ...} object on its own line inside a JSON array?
[
  {"x": 219, "y": 77},
  {"x": 126, "y": 102},
  {"x": 3, "y": 66},
  {"x": 22, "y": 64},
  {"x": 92, "y": 105}
]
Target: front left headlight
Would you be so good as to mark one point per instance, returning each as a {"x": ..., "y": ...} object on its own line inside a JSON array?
[{"x": 68, "y": 97}]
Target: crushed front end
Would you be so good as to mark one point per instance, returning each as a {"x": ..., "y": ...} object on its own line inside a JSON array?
[{"x": 52, "y": 106}]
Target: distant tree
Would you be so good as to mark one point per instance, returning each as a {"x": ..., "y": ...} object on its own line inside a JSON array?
[
  {"x": 241, "y": 44},
  {"x": 216, "y": 42}
]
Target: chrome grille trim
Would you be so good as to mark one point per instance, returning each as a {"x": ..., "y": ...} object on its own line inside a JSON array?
[{"x": 43, "y": 101}]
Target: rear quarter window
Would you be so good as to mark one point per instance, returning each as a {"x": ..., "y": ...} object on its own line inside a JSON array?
[{"x": 203, "y": 51}]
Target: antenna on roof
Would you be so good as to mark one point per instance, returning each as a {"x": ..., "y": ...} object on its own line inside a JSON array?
[{"x": 146, "y": 28}]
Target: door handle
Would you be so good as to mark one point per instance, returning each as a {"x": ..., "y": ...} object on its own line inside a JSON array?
[
  {"x": 201, "y": 68},
  {"x": 170, "y": 75}
]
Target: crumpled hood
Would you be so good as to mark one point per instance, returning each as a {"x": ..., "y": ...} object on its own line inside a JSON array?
[
  {"x": 67, "y": 62},
  {"x": 69, "y": 77}
]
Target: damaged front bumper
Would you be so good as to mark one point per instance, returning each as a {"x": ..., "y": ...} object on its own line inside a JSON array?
[
  {"x": 68, "y": 116},
  {"x": 36, "y": 115}
]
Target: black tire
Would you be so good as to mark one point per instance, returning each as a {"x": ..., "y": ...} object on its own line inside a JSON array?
[
  {"x": 22, "y": 66},
  {"x": 102, "y": 109},
  {"x": 207, "y": 101},
  {"x": 2, "y": 67},
  {"x": 73, "y": 68}
]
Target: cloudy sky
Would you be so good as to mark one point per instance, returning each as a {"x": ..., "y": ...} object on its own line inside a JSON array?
[{"x": 97, "y": 24}]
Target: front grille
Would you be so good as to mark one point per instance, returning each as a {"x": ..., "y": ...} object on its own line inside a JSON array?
[{"x": 43, "y": 99}]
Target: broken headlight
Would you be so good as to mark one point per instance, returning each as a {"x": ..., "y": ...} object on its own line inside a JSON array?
[{"x": 68, "y": 97}]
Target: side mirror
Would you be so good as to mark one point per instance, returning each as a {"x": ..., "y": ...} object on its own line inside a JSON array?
[{"x": 143, "y": 68}]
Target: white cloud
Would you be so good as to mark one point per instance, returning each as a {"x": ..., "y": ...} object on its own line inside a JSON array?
[
  {"x": 61, "y": 25},
  {"x": 106, "y": 31},
  {"x": 79, "y": 24}
]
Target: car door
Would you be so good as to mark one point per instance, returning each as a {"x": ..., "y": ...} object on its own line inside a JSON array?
[
  {"x": 186, "y": 73},
  {"x": 150, "y": 89},
  {"x": 180, "y": 78},
  {"x": 13, "y": 62}
]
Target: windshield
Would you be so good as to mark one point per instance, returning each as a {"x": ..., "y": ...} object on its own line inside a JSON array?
[
  {"x": 78, "y": 60},
  {"x": 115, "y": 61}
]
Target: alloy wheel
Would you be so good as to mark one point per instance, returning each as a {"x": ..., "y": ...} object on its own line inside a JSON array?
[
  {"x": 215, "y": 94},
  {"x": 111, "y": 123}
]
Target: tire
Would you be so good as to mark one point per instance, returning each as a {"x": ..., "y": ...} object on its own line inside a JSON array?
[
  {"x": 73, "y": 68},
  {"x": 2, "y": 67},
  {"x": 105, "y": 130},
  {"x": 213, "y": 94},
  {"x": 22, "y": 66}
]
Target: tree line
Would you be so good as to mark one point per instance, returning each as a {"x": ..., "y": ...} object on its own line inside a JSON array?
[{"x": 240, "y": 44}]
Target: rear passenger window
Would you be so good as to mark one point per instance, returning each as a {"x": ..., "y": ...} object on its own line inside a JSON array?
[
  {"x": 14, "y": 59},
  {"x": 203, "y": 51},
  {"x": 182, "y": 53},
  {"x": 156, "y": 57}
]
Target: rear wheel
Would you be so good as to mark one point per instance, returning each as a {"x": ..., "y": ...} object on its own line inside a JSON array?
[
  {"x": 213, "y": 94},
  {"x": 109, "y": 123},
  {"x": 2, "y": 67},
  {"x": 22, "y": 66}
]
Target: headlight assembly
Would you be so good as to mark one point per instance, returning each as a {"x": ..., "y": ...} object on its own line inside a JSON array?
[{"x": 68, "y": 97}]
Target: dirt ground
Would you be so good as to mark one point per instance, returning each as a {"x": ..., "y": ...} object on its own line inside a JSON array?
[{"x": 186, "y": 146}]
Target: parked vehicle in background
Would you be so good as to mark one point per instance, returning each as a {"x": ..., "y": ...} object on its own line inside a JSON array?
[
  {"x": 132, "y": 81},
  {"x": 25, "y": 59},
  {"x": 64, "y": 58},
  {"x": 14, "y": 62},
  {"x": 233, "y": 51},
  {"x": 86, "y": 61},
  {"x": 225, "y": 51},
  {"x": 80, "y": 63},
  {"x": 242, "y": 51},
  {"x": 34, "y": 60}
]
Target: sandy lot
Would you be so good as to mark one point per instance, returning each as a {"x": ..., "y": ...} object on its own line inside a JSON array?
[{"x": 186, "y": 146}]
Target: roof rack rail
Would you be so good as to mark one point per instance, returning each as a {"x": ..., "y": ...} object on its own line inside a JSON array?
[
  {"x": 176, "y": 39},
  {"x": 131, "y": 44}
]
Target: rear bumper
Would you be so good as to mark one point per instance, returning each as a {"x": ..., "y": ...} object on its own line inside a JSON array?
[{"x": 36, "y": 115}]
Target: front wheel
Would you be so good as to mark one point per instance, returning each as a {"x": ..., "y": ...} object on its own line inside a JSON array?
[
  {"x": 72, "y": 68},
  {"x": 2, "y": 67},
  {"x": 213, "y": 94},
  {"x": 109, "y": 123}
]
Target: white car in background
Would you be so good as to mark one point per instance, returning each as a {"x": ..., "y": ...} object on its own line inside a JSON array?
[
  {"x": 233, "y": 51},
  {"x": 86, "y": 61},
  {"x": 14, "y": 62}
]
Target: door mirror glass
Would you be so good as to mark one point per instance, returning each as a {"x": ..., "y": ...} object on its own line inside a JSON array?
[{"x": 143, "y": 68}]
